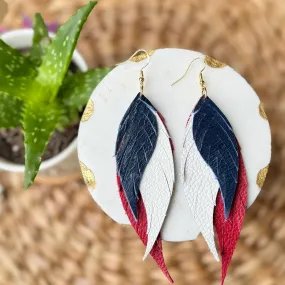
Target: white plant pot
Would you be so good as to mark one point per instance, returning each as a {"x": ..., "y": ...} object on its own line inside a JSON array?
[{"x": 22, "y": 39}]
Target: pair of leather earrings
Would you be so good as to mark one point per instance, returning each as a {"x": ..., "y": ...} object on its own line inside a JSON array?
[{"x": 211, "y": 160}]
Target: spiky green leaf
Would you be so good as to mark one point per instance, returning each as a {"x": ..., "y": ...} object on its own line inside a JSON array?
[
  {"x": 59, "y": 54},
  {"x": 69, "y": 117},
  {"x": 13, "y": 63},
  {"x": 77, "y": 88},
  {"x": 15, "y": 86},
  {"x": 39, "y": 123},
  {"x": 16, "y": 72},
  {"x": 41, "y": 40},
  {"x": 10, "y": 111}
]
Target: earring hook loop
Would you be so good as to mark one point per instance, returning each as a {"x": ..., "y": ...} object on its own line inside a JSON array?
[
  {"x": 188, "y": 68},
  {"x": 141, "y": 79},
  {"x": 202, "y": 82}
]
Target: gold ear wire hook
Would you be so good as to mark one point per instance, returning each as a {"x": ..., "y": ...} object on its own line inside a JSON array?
[
  {"x": 202, "y": 82},
  {"x": 185, "y": 71},
  {"x": 141, "y": 79}
]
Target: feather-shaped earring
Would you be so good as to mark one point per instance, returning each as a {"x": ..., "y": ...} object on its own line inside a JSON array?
[
  {"x": 145, "y": 171},
  {"x": 212, "y": 161}
]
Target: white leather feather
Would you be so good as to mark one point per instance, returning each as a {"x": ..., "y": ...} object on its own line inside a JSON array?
[
  {"x": 200, "y": 187},
  {"x": 157, "y": 185}
]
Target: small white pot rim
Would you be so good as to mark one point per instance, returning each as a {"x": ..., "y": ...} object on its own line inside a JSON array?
[{"x": 21, "y": 39}]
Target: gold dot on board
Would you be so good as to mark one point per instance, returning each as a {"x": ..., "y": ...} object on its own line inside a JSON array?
[
  {"x": 262, "y": 112},
  {"x": 141, "y": 57},
  {"x": 261, "y": 176},
  {"x": 88, "y": 176},
  {"x": 214, "y": 63},
  {"x": 88, "y": 111}
]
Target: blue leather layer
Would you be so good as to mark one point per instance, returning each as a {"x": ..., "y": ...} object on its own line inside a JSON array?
[
  {"x": 136, "y": 141},
  {"x": 218, "y": 146}
]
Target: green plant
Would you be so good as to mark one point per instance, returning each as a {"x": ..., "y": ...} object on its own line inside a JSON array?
[{"x": 38, "y": 93}]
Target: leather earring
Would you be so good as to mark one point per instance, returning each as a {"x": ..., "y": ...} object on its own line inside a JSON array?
[
  {"x": 213, "y": 175},
  {"x": 145, "y": 170}
]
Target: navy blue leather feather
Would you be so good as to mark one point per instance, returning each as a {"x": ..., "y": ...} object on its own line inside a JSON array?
[
  {"x": 217, "y": 145},
  {"x": 136, "y": 141}
]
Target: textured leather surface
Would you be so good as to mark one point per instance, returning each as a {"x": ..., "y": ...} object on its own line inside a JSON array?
[
  {"x": 200, "y": 187},
  {"x": 136, "y": 141},
  {"x": 145, "y": 173},
  {"x": 228, "y": 231},
  {"x": 157, "y": 184},
  {"x": 140, "y": 226},
  {"x": 217, "y": 144}
]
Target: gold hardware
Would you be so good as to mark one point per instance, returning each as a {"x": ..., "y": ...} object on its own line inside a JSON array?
[
  {"x": 141, "y": 82},
  {"x": 202, "y": 81},
  {"x": 141, "y": 78}
]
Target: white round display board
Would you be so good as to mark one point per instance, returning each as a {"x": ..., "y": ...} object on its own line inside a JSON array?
[{"x": 232, "y": 94}]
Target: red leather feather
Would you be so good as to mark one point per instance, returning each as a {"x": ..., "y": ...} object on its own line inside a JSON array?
[
  {"x": 140, "y": 226},
  {"x": 228, "y": 231}
]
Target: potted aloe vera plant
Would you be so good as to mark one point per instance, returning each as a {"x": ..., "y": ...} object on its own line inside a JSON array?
[{"x": 44, "y": 88}]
